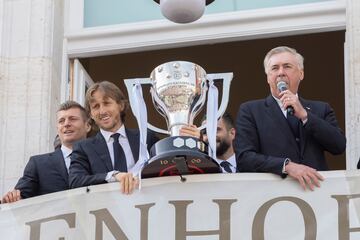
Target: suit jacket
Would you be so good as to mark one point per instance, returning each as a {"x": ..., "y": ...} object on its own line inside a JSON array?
[
  {"x": 90, "y": 159},
  {"x": 44, "y": 174},
  {"x": 264, "y": 138}
]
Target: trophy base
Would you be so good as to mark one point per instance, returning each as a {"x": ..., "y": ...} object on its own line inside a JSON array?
[{"x": 176, "y": 156}]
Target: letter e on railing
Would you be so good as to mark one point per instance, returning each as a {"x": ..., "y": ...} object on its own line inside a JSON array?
[{"x": 35, "y": 226}]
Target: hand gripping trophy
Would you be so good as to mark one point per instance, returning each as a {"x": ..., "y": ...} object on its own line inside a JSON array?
[{"x": 179, "y": 90}]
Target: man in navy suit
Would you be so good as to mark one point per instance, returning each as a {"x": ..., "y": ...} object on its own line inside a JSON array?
[
  {"x": 112, "y": 153},
  {"x": 271, "y": 139},
  {"x": 48, "y": 172}
]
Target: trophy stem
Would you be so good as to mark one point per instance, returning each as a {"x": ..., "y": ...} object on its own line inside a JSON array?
[
  {"x": 177, "y": 120},
  {"x": 175, "y": 129}
]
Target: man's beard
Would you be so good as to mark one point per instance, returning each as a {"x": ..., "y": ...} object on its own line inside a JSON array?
[{"x": 222, "y": 147}]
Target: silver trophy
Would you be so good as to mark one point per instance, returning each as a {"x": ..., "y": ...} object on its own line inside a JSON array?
[{"x": 179, "y": 91}]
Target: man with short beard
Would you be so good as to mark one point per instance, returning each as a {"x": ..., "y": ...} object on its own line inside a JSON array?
[{"x": 225, "y": 134}]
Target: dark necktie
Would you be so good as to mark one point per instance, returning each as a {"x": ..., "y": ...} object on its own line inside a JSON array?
[
  {"x": 226, "y": 166},
  {"x": 119, "y": 155},
  {"x": 294, "y": 125}
]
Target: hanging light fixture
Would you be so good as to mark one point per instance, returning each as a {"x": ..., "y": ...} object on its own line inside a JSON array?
[{"x": 183, "y": 11}]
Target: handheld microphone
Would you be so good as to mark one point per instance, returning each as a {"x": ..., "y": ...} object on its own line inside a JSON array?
[{"x": 282, "y": 86}]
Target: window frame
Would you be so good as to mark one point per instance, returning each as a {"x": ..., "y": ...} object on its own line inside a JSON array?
[{"x": 212, "y": 28}]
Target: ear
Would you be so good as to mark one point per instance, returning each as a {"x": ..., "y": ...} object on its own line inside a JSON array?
[
  {"x": 232, "y": 133},
  {"x": 87, "y": 126},
  {"x": 302, "y": 75},
  {"x": 122, "y": 106}
]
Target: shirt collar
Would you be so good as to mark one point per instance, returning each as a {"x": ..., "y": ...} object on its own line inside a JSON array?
[
  {"x": 107, "y": 134},
  {"x": 65, "y": 151},
  {"x": 279, "y": 102},
  {"x": 231, "y": 160}
]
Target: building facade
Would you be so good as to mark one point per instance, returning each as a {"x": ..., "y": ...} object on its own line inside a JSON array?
[{"x": 48, "y": 49}]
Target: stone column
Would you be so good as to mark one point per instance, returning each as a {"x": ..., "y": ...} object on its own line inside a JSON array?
[
  {"x": 352, "y": 83},
  {"x": 31, "y": 36}
]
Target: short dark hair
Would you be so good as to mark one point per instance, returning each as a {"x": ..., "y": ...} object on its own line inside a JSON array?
[
  {"x": 110, "y": 90},
  {"x": 228, "y": 120},
  {"x": 72, "y": 104}
]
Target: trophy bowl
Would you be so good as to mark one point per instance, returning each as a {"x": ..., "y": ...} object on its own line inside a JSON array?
[{"x": 178, "y": 92}]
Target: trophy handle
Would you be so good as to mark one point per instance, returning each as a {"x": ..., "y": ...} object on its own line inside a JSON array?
[
  {"x": 129, "y": 83},
  {"x": 226, "y": 77}
]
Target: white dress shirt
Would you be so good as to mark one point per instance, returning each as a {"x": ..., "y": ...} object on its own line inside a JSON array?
[
  {"x": 124, "y": 142},
  {"x": 66, "y": 152},
  {"x": 284, "y": 110},
  {"x": 281, "y": 106},
  {"x": 231, "y": 160}
]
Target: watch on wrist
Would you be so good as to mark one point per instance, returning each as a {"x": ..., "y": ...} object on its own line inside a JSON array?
[
  {"x": 113, "y": 176},
  {"x": 286, "y": 162}
]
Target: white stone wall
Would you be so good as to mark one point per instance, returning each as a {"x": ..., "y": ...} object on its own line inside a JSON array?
[
  {"x": 31, "y": 35},
  {"x": 352, "y": 83}
]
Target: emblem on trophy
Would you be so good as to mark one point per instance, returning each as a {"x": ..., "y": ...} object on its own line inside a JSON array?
[{"x": 179, "y": 91}]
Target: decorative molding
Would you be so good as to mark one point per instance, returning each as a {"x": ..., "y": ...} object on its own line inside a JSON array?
[
  {"x": 82, "y": 81},
  {"x": 352, "y": 84},
  {"x": 73, "y": 15},
  {"x": 213, "y": 28}
]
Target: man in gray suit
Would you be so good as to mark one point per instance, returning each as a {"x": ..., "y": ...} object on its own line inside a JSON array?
[
  {"x": 284, "y": 133},
  {"x": 48, "y": 172}
]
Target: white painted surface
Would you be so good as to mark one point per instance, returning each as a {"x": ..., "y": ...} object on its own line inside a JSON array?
[
  {"x": 352, "y": 84},
  {"x": 30, "y": 69},
  {"x": 247, "y": 193}
]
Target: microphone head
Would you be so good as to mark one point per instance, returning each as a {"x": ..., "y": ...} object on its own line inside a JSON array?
[{"x": 281, "y": 86}]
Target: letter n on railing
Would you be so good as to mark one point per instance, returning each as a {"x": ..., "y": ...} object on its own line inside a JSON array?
[{"x": 104, "y": 216}]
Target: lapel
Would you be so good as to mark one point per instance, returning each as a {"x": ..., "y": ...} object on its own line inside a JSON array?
[
  {"x": 134, "y": 142},
  {"x": 59, "y": 163},
  {"x": 100, "y": 147},
  {"x": 279, "y": 121},
  {"x": 307, "y": 107}
]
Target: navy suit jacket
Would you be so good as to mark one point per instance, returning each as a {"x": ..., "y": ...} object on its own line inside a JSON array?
[
  {"x": 44, "y": 174},
  {"x": 90, "y": 159},
  {"x": 264, "y": 138}
]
